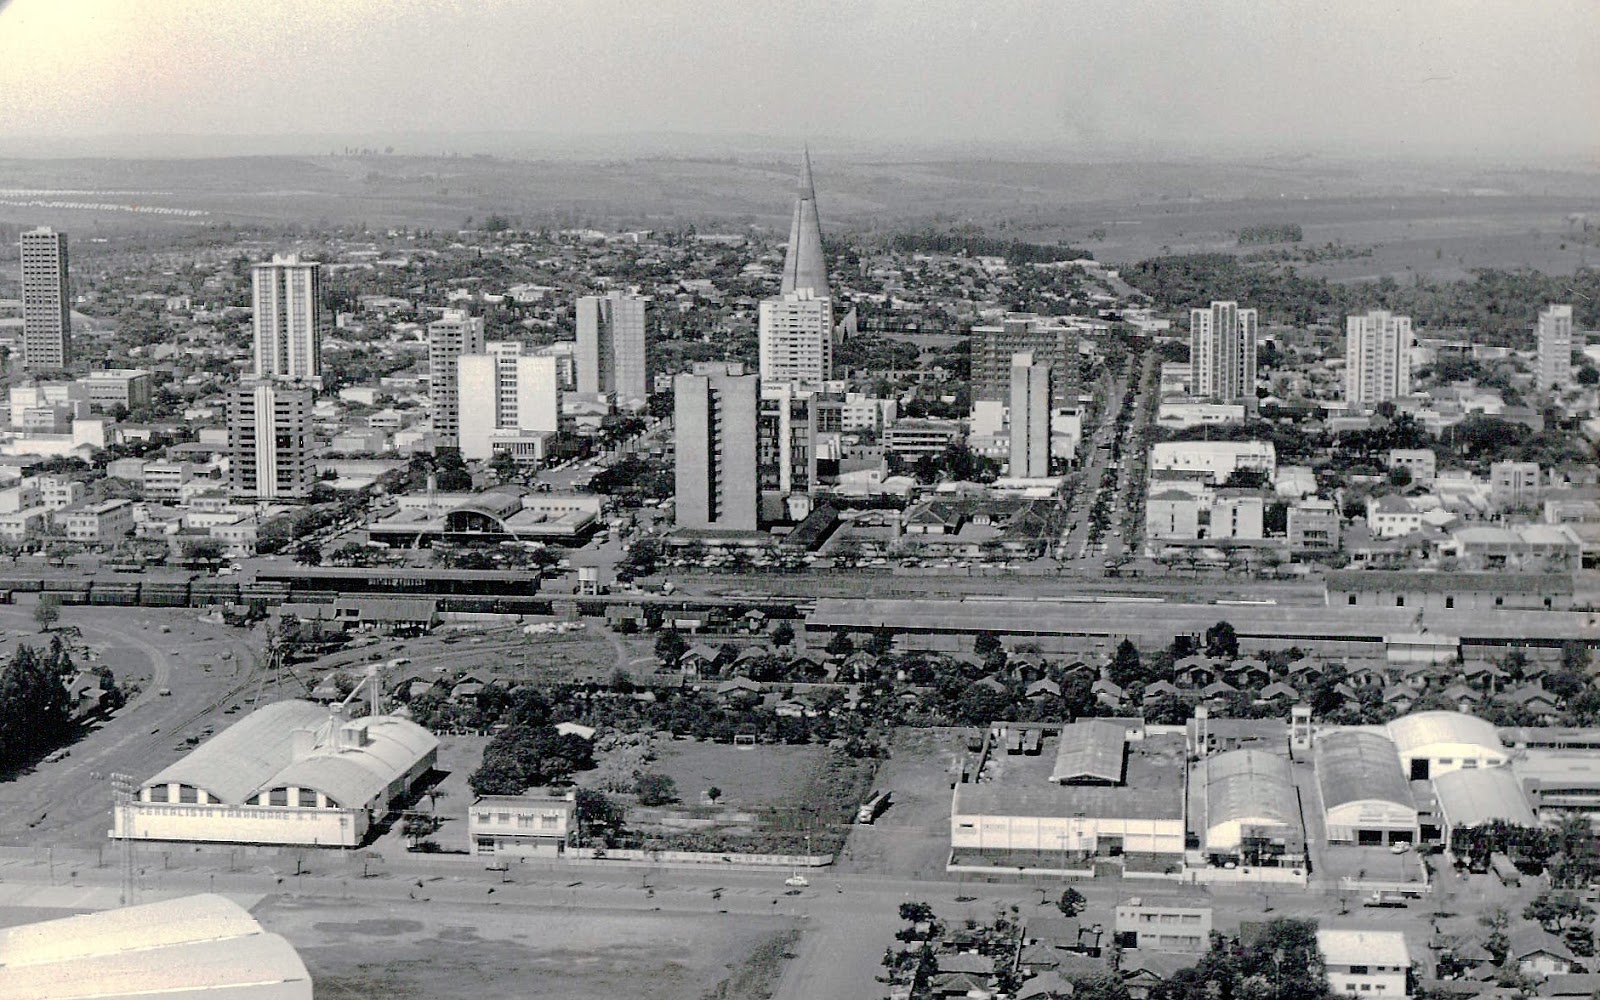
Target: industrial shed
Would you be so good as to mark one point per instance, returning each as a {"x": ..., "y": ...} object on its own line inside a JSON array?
[
  {"x": 1365, "y": 796},
  {"x": 1435, "y": 743},
  {"x": 1469, "y": 798},
  {"x": 1252, "y": 813},
  {"x": 289, "y": 773},
  {"x": 201, "y": 947}
]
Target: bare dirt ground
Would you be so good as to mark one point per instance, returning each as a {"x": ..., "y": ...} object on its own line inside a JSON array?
[
  {"x": 442, "y": 951},
  {"x": 912, "y": 836}
]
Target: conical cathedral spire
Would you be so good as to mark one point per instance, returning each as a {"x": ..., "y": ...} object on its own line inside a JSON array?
[{"x": 803, "y": 264}]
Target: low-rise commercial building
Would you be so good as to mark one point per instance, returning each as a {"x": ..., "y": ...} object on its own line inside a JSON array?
[
  {"x": 1174, "y": 925},
  {"x": 98, "y": 523},
  {"x": 1216, "y": 459},
  {"x": 537, "y": 823},
  {"x": 1013, "y": 815}
]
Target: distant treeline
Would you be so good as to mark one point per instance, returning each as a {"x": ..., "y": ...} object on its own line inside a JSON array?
[
  {"x": 973, "y": 243},
  {"x": 1497, "y": 307},
  {"x": 1288, "y": 232}
]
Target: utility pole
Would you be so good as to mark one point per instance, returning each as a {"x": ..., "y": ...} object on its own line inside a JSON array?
[{"x": 123, "y": 790}]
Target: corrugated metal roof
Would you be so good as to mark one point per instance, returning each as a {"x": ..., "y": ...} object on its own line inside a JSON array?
[
  {"x": 1420, "y": 729},
  {"x": 1249, "y": 785},
  {"x": 196, "y": 946},
  {"x": 1091, "y": 750},
  {"x": 1460, "y": 583},
  {"x": 256, "y": 754},
  {"x": 1474, "y": 796},
  {"x": 1356, "y": 765}
]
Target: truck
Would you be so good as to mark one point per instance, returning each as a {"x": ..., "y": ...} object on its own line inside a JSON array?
[
  {"x": 873, "y": 807},
  {"x": 1385, "y": 898}
]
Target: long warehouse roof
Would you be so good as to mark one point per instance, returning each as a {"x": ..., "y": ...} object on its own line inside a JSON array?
[{"x": 1117, "y": 618}]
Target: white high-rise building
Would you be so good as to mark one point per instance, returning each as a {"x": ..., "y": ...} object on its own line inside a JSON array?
[
  {"x": 1554, "y": 332},
  {"x": 611, "y": 352},
  {"x": 1030, "y": 417},
  {"x": 449, "y": 337},
  {"x": 1222, "y": 352},
  {"x": 505, "y": 395},
  {"x": 1377, "y": 357},
  {"x": 796, "y": 334},
  {"x": 288, "y": 318},
  {"x": 46, "y": 301}
]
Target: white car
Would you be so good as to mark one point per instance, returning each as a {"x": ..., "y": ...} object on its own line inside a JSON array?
[{"x": 798, "y": 881}]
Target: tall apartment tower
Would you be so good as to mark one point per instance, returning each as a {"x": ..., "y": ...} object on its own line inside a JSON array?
[
  {"x": 796, "y": 338},
  {"x": 1030, "y": 417},
  {"x": 1051, "y": 342},
  {"x": 611, "y": 352},
  {"x": 287, "y": 296},
  {"x": 269, "y": 442},
  {"x": 46, "y": 301},
  {"x": 449, "y": 337},
  {"x": 1554, "y": 332},
  {"x": 1222, "y": 352},
  {"x": 505, "y": 394},
  {"x": 1377, "y": 357},
  {"x": 716, "y": 477}
]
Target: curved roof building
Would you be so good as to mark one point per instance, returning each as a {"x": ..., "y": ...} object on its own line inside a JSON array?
[
  {"x": 1433, "y": 743},
  {"x": 1365, "y": 796},
  {"x": 310, "y": 776},
  {"x": 202, "y": 947},
  {"x": 1250, "y": 796}
]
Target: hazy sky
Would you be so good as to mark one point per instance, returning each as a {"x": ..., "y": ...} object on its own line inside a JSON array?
[{"x": 1217, "y": 77}]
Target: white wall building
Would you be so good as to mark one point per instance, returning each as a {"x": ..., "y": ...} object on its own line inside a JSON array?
[
  {"x": 1219, "y": 459},
  {"x": 287, "y": 773},
  {"x": 287, "y": 301},
  {"x": 505, "y": 394},
  {"x": 796, "y": 338},
  {"x": 451, "y": 336},
  {"x": 1377, "y": 353},
  {"x": 536, "y": 823},
  {"x": 1365, "y": 963},
  {"x": 1222, "y": 352}
]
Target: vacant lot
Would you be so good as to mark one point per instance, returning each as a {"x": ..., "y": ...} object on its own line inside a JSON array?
[
  {"x": 912, "y": 837},
  {"x": 750, "y": 777},
  {"x": 443, "y": 951}
]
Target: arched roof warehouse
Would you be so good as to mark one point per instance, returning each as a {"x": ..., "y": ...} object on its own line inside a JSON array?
[
  {"x": 1355, "y": 765},
  {"x": 1248, "y": 787},
  {"x": 259, "y": 753},
  {"x": 197, "y": 947},
  {"x": 1422, "y": 729}
]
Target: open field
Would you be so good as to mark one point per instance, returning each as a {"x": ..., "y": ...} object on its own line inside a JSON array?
[
  {"x": 443, "y": 951},
  {"x": 1436, "y": 220}
]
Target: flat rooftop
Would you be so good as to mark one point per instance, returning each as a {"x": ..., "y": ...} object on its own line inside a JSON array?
[{"x": 1019, "y": 785}]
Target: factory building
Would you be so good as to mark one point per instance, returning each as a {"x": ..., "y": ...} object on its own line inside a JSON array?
[
  {"x": 1252, "y": 814},
  {"x": 1434, "y": 743},
  {"x": 288, "y": 773}
]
